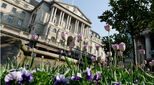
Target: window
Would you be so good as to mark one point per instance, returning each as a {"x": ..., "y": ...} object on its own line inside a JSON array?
[
  {"x": 20, "y": 21},
  {"x": 14, "y": 10},
  {"x": 54, "y": 30},
  {"x": 53, "y": 39},
  {"x": 27, "y": 1},
  {"x": 4, "y": 5},
  {"x": 10, "y": 19},
  {"x": 1, "y": 15},
  {"x": 23, "y": 14}
]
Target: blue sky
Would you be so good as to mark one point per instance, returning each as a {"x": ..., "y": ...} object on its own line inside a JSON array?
[{"x": 92, "y": 9}]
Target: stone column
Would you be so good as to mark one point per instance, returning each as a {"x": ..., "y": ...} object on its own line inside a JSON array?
[
  {"x": 75, "y": 26},
  {"x": 148, "y": 46},
  {"x": 60, "y": 16},
  {"x": 69, "y": 22},
  {"x": 51, "y": 15},
  {"x": 54, "y": 14},
  {"x": 83, "y": 29}
]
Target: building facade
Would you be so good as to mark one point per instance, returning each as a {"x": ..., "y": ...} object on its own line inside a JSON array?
[{"x": 49, "y": 19}]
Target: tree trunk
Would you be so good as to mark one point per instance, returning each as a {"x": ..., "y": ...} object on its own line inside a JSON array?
[{"x": 134, "y": 50}]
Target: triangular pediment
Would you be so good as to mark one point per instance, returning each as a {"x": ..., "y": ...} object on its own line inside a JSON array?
[{"x": 75, "y": 10}]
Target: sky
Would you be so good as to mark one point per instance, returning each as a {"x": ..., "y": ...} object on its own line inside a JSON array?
[{"x": 92, "y": 9}]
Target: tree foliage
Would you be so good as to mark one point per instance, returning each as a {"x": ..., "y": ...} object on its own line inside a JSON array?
[
  {"x": 130, "y": 16},
  {"x": 117, "y": 39}
]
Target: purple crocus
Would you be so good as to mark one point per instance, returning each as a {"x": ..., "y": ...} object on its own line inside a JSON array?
[
  {"x": 107, "y": 28},
  {"x": 150, "y": 63},
  {"x": 61, "y": 51},
  {"x": 148, "y": 69},
  {"x": 33, "y": 54},
  {"x": 109, "y": 54},
  {"x": 85, "y": 47},
  {"x": 13, "y": 78},
  {"x": 122, "y": 46},
  {"x": 142, "y": 51},
  {"x": 142, "y": 65},
  {"x": 80, "y": 37},
  {"x": 63, "y": 35},
  {"x": 89, "y": 74},
  {"x": 26, "y": 75},
  {"x": 77, "y": 77},
  {"x": 93, "y": 58},
  {"x": 69, "y": 53},
  {"x": 60, "y": 79},
  {"x": 115, "y": 46},
  {"x": 97, "y": 47},
  {"x": 28, "y": 47},
  {"x": 34, "y": 37},
  {"x": 145, "y": 62},
  {"x": 97, "y": 77},
  {"x": 27, "y": 65},
  {"x": 120, "y": 53},
  {"x": 99, "y": 58}
]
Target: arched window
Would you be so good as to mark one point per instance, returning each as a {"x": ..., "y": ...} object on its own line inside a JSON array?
[
  {"x": 70, "y": 41},
  {"x": 62, "y": 42},
  {"x": 53, "y": 39},
  {"x": 54, "y": 30}
]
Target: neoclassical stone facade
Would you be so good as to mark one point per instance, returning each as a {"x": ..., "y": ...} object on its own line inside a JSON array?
[{"x": 49, "y": 19}]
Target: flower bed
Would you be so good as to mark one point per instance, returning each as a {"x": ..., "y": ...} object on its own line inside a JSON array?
[{"x": 100, "y": 72}]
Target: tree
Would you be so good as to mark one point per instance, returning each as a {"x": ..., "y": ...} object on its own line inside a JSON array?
[
  {"x": 116, "y": 39},
  {"x": 129, "y": 16}
]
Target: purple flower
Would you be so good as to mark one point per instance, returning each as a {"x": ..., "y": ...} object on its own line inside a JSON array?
[
  {"x": 33, "y": 54},
  {"x": 153, "y": 61},
  {"x": 61, "y": 51},
  {"x": 60, "y": 79},
  {"x": 71, "y": 47},
  {"x": 85, "y": 47},
  {"x": 13, "y": 77},
  {"x": 150, "y": 63},
  {"x": 142, "y": 51},
  {"x": 37, "y": 69},
  {"x": 27, "y": 65},
  {"x": 77, "y": 77},
  {"x": 129, "y": 71},
  {"x": 26, "y": 75},
  {"x": 99, "y": 58},
  {"x": 115, "y": 46},
  {"x": 96, "y": 77},
  {"x": 142, "y": 65},
  {"x": 111, "y": 58},
  {"x": 109, "y": 54},
  {"x": 74, "y": 42},
  {"x": 28, "y": 47},
  {"x": 97, "y": 47},
  {"x": 93, "y": 58},
  {"x": 69, "y": 53},
  {"x": 12, "y": 70},
  {"x": 42, "y": 56},
  {"x": 80, "y": 37},
  {"x": 107, "y": 28},
  {"x": 89, "y": 74},
  {"x": 120, "y": 53},
  {"x": 63, "y": 35},
  {"x": 148, "y": 69},
  {"x": 145, "y": 62},
  {"x": 80, "y": 56},
  {"x": 122, "y": 46},
  {"x": 34, "y": 37}
]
